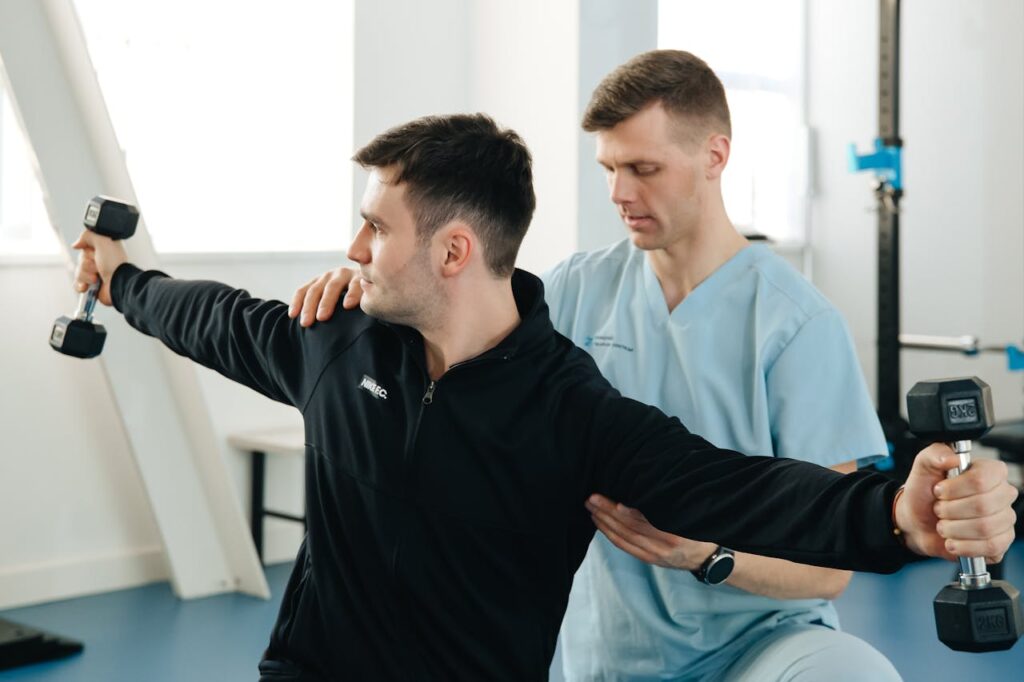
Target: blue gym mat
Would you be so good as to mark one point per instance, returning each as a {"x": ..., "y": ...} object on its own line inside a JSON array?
[{"x": 148, "y": 634}]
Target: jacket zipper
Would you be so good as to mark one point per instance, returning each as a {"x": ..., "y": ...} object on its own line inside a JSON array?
[{"x": 428, "y": 398}]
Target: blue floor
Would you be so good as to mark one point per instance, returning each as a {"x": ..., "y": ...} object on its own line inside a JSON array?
[{"x": 147, "y": 634}]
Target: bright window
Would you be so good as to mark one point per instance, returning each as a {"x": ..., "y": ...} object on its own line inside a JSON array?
[
  {"x": 24, "y": 226},
  {"x": 757, "y": 49},
  {"x": 235, "y": 117}
]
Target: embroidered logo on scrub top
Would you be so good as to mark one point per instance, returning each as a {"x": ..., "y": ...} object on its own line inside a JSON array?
[
  {"x": 607, "y": 341},
  {"x": 375, "y": 389}
]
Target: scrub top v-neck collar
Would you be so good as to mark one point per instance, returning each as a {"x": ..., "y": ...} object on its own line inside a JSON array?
[{"x": 704, "y": 293}]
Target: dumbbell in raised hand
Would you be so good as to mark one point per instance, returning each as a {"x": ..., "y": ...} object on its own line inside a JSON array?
[
  {"x": 78, "y": 335},
  {"x": 975, "y": 613}
]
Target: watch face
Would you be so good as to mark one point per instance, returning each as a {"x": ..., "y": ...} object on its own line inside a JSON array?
[{"x": 719, "y": 569}]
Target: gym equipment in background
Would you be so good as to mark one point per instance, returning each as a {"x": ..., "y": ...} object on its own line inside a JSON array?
[
  {"x": 975, "y": 613},
  {"x": 886, "y": 160},
  {"x": 21, "y": 645},
  {"x": 78, "y": 335}
]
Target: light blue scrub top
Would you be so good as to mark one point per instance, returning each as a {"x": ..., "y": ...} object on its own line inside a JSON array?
[{"x": 754, "y": 359}]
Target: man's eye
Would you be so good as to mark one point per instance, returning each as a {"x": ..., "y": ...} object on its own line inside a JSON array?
[{"x": 645, "y": 170}]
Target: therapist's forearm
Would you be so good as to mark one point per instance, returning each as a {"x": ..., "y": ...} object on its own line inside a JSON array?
[{"x": 781, "y": 579}]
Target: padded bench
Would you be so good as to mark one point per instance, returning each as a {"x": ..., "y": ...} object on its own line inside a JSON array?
[
  {"x": 1008, "y": 439},
  {"x": 286, "y": 441}
]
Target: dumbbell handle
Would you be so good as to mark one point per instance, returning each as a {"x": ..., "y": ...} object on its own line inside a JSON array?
[
  {"x": 973, "y": 572},
  {"x": 87, "y": 302}
]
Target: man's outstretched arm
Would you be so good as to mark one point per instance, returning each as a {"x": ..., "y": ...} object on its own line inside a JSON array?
[
  {"x": 786, "y": 508},
  {"x": 246, "y": 339},
  {"x": 630, "y": 531}
]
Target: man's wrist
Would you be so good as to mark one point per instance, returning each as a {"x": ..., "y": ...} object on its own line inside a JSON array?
[
  {"x": 903, "y": 526},
  {"x": 897, "y": 528}
]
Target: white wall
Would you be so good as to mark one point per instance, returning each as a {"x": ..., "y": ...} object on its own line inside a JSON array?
[
  {"x": 524, "y": 73},
  {"x": 76, "y": 519},
  {"x": 74, "y": 515},
  {"x": 411, "y": 59},
  {"x": 962, "y": 107},
  {"x": 514, "y": 61}
]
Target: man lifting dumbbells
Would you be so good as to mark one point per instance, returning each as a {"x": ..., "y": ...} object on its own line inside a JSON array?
[{"x": 446, "y": 515}]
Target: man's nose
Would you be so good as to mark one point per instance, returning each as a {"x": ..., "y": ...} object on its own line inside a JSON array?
[
  {"x": 620, "y": 188},
  {"x": 359, "y": 249}
]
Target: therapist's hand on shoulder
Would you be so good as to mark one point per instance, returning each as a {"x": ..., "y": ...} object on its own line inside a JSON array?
[{"x": 316, "y": 300}]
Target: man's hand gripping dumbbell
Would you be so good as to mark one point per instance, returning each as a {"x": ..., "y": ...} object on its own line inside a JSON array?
[
  {"x": 975, "y": 613},
  {"x": 78, "y": 335}
]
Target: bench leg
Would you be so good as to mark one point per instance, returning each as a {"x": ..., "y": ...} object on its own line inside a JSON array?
[{"x": 256, "y": 506}]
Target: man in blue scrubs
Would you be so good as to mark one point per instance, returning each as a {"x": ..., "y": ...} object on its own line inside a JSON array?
[{"x": 687, "y": 315}]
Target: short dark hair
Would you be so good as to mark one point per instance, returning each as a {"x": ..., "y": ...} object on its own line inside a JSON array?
[
  {"x": 462, "y": 166},
  {"x": 680, "y": 81}
]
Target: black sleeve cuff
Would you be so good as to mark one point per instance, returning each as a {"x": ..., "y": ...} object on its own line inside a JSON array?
[
  {"x": 120, "y": 281},
  {"x": 887, "y": 541},
  {"x": 127, "y": 281}
]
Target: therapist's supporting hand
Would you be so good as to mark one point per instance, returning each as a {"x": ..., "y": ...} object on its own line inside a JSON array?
[
  {"x": 966, "y": 516},
  {"x": 317, "y": 299},
  {"x": 630, "y": 531}
]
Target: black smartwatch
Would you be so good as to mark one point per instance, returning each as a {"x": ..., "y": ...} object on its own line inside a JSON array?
[{"x": 717, "y": 567}]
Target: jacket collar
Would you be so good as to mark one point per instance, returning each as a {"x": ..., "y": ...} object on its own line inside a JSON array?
[{"x": 534, "y": 320}]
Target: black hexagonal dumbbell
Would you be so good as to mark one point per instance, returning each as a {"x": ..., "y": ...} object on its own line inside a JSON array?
[
  {"x": 78, "y": 335},
  {"x": 975, "y": 613}
]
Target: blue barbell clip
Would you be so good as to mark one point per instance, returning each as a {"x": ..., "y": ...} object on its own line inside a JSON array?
[
  {"x": 887, "y": 161},
  {"x": 1015, "y": 358}
]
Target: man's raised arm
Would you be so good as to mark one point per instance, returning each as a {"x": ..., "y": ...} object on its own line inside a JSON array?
[
  {"x": 248, "y": 340},
  {"x": 786, "y": 508}
]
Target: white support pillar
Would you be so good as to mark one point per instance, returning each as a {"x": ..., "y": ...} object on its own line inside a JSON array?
[{"x": 60, "y": 106}]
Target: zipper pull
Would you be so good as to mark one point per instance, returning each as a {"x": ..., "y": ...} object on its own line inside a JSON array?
[{"x": 428, "y": 397}]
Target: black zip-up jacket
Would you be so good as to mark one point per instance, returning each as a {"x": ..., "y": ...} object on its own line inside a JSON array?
[{"x": 445, "y": 518}]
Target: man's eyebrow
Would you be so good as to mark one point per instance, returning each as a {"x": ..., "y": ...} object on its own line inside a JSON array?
[
  {"x": 640, "y": 161},
  {"x": 369, "y": 217}
]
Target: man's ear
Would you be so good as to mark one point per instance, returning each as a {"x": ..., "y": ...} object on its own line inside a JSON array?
[
  {"x": 718, "y": 147},
  {"x": 457, "y": 244}
]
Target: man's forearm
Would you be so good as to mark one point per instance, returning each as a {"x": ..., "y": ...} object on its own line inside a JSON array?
[{"x": 781, "y": 579}]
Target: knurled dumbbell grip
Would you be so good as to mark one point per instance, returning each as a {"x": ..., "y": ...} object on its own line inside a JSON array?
[
  {"x": 973, "y": 572},
  {"x": 87, "y": 302}
]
